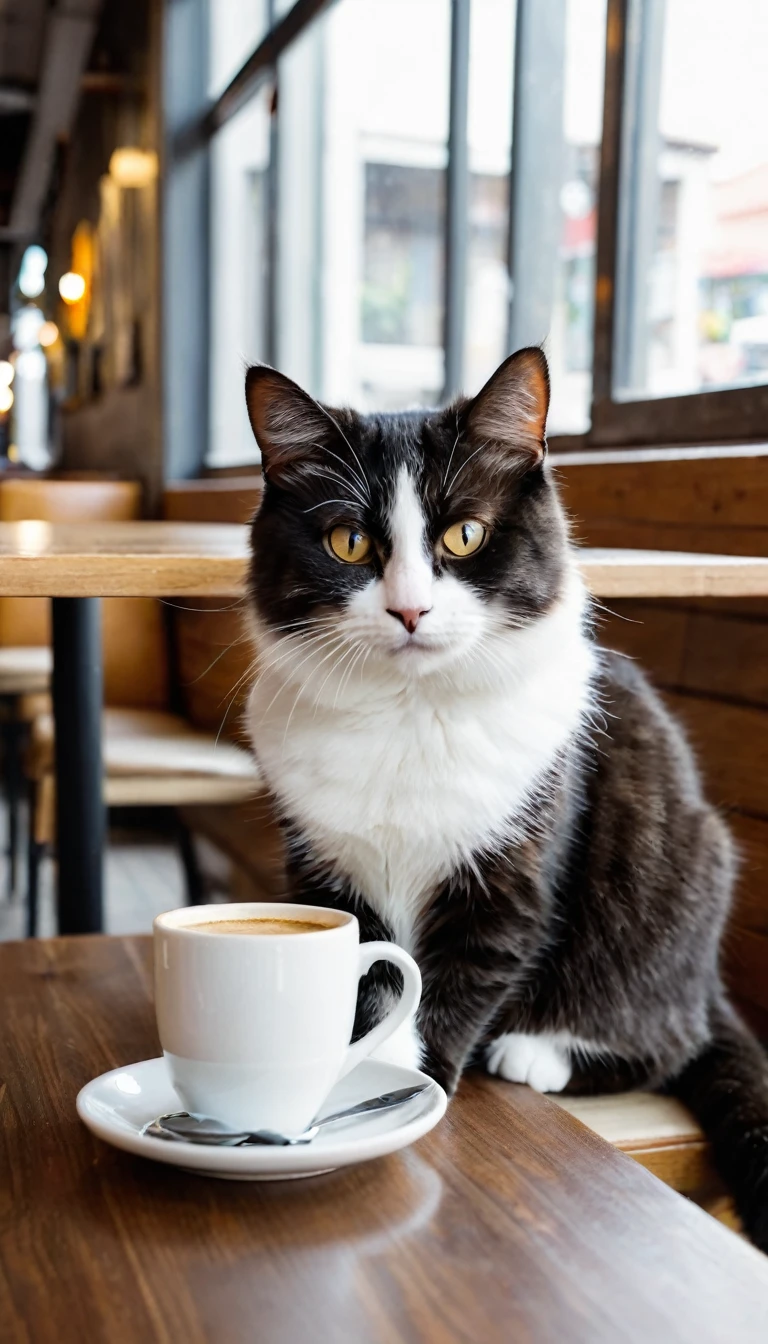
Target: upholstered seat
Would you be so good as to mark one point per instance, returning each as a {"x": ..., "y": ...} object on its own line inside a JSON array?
[
  {"x": 153, "y": 743},
  {"x": 25, "y": 669}
]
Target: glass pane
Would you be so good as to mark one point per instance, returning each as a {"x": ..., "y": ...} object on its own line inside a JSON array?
[
  {"x": 569, "y": 343},
  {"x": 557, "y": 133},
  {"x": 235, "y": 28},
  {"x": 385, "y": 126},
  {"x": 693, "y": 284},
  {"x": 239, "y": 223},
  {"x": 489, "y": 128}
]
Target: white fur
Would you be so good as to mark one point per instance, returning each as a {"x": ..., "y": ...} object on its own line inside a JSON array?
[
  {"x": 402, "y": 757},
  {"x": 403, "y": 1047},
  {"x": 542, "y": 1061},
  {"x": 408, "y": 577}
]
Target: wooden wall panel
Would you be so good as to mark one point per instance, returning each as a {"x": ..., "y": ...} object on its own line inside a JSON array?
[{"x": 674, "y": 502}]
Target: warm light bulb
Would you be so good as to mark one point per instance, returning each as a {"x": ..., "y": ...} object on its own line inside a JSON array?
[
  {"x": 71, "y": 287},
  {"x": 131, "y": 167},
  {"x": 48, "y": 334},
  {"x": 6, "y": 399},
  {"x": 6, "y": 372}
]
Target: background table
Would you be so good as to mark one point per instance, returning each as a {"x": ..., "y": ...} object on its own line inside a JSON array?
[
  {"x": 76, "y": 564},
  {"x": 510, "y": 1222}
]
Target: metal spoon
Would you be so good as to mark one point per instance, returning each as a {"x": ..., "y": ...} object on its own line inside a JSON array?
[{"x": 183, "y": 1127}]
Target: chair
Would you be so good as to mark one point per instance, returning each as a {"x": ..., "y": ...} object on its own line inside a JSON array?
[
  {"x": 151, "y": 759},
  {"x": 25, "y": 654}
]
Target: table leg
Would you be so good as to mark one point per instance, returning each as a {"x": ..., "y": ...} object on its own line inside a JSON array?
[{"x": 80, "y": 813}]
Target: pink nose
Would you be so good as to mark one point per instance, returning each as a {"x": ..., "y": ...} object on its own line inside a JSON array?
[{"x": 409, "y": 616}]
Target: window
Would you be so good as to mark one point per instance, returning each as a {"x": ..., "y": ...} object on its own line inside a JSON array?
[
  {"x": 694, "y": 201},
  {"x": 385, "y": 127},
  {"x": 239, "y": 241},
  {"x": 403, "y": 191},
  {"x": 489, "y": 136}
]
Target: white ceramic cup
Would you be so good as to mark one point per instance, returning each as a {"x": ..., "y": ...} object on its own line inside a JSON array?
[{"x": 256, "y": 1027}]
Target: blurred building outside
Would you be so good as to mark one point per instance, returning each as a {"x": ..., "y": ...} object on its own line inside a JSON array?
[{"x": 331, "y": 262}]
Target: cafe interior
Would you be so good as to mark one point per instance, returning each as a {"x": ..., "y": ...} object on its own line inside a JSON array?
[{"x": 382, "y": 199}]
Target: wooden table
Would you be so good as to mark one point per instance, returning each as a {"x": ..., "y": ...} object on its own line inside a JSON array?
[
  {"x": 210, "y": 560},
  {"x": 76, "y": 564},
  {"x": 510, "y": 1222}
]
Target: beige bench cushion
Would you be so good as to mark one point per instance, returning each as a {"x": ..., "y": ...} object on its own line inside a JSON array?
[
  {"x": 152, "y": 743},
  {"x": 25, "y": 669}
]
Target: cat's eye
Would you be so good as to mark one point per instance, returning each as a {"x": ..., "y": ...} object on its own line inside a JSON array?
[
  {"x": 349, "y": 545},
  {"x": 465, "y": 538}
]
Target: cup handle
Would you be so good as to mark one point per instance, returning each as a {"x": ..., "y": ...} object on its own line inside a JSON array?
[{"x": 406, "y": 1004}]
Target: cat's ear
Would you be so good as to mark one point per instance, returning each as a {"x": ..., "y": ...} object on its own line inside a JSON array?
[
  {"x": 290, "y": 427},
  {"x": 510, "y": 412}
]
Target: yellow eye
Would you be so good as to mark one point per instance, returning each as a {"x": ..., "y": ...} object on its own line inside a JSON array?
[
  {"x": 464, "y": 538},
  {"x": 349, "y": 545}
]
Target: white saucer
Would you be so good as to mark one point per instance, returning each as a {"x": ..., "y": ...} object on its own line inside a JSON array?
[{"x": 118, "y": 1105}]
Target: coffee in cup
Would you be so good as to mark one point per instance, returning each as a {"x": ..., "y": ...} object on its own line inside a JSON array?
[
  {"x": 262, "y": 927},
  {"x": 256, "y": 1004}
]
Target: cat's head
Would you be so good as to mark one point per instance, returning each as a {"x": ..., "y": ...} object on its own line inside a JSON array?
[{"x": 419, "y": 537}]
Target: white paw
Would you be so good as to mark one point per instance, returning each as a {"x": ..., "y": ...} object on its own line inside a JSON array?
[
  {"x": 534, "y": 1060},
  {"x": 403, "y": 1047}
]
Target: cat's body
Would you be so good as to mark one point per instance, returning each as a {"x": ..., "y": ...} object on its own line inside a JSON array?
[{"x": 456, "y": 761}]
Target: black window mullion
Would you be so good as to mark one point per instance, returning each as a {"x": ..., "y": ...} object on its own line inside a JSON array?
[
  {"x": 608, "y": 203},
  {"x": 272, "y": 212},
  {"x": 457, "y": 203}
]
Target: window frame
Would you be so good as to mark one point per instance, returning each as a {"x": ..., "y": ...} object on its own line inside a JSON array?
[
  {"x": 731, "y": 415},
  {"x": 728, "y": 416}
]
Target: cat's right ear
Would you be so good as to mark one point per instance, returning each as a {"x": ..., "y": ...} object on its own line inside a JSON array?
[{"x": 290, "y": 427}]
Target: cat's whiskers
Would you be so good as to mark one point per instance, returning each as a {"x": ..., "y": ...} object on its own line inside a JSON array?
[
  {"x": 365, "y": 482},
  {"x": 325, "y": 502},
  {"x": 465, "y": 464},
  {"x": 361, "y": 480},
  {"x": 453, "y": 450},
  {"x": 281, "y": 654},
  {"x": 350, "y": 482},
  {"x": 358, "y": 649},
  {"x": 305, "y": 683},
  {"x": 334, "y": 640},
  {"x": 287, "y": 650}
]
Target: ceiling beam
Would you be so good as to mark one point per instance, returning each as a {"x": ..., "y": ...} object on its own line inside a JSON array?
[{"x": 69, "y": 32}]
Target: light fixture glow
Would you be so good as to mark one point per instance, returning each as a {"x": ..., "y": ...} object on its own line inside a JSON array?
[
  {"x": 6, "y": 372},
  {"x": 32, "y": 271},
  {"x": 48, "y": 334},
  {"x": 31, "y": 283},
  {"x": 72, "y": 287},
  {"x": 6, "y": 400},
  {"x": 132, "y": 167}
]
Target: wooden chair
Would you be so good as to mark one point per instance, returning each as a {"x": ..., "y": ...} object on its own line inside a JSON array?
[
  {"x": 152, "y": 758},
  {"x": 25, "y": 655}
]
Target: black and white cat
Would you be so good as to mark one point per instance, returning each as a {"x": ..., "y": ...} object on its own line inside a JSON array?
[{"x": 457, "y": 761}]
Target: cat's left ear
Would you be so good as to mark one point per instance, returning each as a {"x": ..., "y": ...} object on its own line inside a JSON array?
[{"x": 510, "y": 412}]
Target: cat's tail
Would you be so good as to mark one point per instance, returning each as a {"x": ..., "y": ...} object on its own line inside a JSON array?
[{"x": 726, "y": 1088}]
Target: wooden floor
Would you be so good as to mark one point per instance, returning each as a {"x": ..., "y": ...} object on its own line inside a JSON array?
[{"x": 143, "y": 877}]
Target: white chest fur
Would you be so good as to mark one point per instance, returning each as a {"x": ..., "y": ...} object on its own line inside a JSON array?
[{"x": 397, "y": 780}]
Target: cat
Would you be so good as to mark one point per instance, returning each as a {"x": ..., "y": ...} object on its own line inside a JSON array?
[{"x": 457, "y": 761}]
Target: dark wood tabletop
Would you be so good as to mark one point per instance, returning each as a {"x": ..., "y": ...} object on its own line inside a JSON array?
[{"x": 509, "y": 1222}]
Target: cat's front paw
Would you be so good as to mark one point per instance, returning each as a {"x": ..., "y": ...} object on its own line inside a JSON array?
[{"x": 534, "y": 1060}]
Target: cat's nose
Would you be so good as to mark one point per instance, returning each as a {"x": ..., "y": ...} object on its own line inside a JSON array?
[{"x": 410, "y": 616}]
